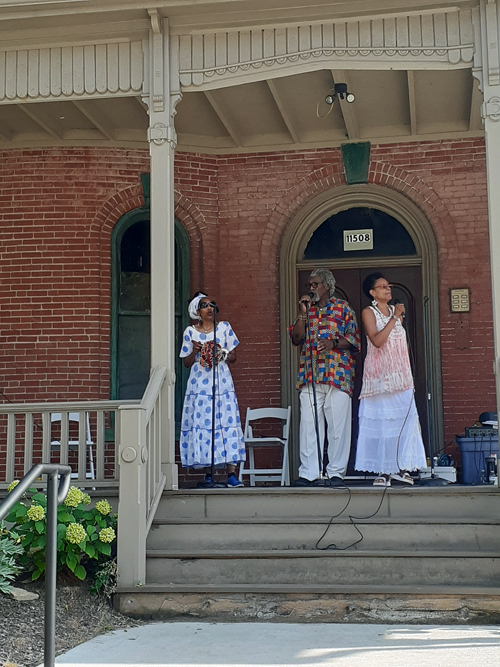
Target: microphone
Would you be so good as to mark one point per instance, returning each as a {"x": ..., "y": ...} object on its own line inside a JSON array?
[
  {"x": 306, "y": 303},
  {"x": 396, "y": 301}
]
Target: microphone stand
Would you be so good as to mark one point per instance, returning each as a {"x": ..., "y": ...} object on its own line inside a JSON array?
[
  {"x": 213, "y": 484},
  {"x": 315, "y": 402}
]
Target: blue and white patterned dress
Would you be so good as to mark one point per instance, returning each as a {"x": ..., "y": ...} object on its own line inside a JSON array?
[{"x": 196, "y": 424}]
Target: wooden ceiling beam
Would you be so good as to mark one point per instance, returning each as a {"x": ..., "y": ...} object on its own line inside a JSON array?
[
  {"x": 43, "y": 118},
  {"x": 283, "y": 109},
  {"x": 218, "y": 107},
  {"x": 348, "y": 111},
  {"x": 90, "y": 110}
]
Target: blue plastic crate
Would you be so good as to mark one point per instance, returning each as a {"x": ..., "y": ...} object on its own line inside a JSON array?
[{"x": 474, "y": 452}]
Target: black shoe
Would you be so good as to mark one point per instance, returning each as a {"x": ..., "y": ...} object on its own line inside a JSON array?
[
  {"x": 208, "y": 483},
  {"x": 302, "y": 481},
  {"x": 335, "y": 482}
]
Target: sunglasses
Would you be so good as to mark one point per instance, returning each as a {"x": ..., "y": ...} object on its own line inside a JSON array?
[
  {"x": 207, "y": 304},
  {"x": 313, "y": 285}
]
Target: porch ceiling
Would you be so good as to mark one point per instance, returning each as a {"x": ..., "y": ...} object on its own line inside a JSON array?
[{"x": 277, "y": 114}]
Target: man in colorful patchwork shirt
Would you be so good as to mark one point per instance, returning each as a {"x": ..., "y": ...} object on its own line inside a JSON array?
[{"x": 333, "y": 339}]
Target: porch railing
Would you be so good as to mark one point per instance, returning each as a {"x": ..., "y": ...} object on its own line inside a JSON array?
[
  {"x": 141, "y": 477},
  {"x": 83, "y": 434},
  {"x": 57, "y": 490}
]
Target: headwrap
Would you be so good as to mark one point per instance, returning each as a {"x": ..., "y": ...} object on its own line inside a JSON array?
[{"x": 193, "y": 306}]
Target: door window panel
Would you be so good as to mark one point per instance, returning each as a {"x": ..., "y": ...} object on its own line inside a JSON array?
[{"x": 390, "y": 238}]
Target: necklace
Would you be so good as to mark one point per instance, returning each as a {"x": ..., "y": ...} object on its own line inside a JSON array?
[
  {"x": 205, "y": 330},
  {"x": 376, "y": 306}
]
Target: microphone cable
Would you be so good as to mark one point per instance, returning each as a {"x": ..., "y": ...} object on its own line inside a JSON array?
[{"x": 332, "y": 546}]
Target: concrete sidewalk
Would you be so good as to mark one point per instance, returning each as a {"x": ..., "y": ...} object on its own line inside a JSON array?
[{"x": 270, "y": 644}]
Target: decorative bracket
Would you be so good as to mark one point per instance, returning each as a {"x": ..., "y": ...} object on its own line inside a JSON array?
[
  {"x": 492, "y": 43},
  {"x": 491, "y": 109},
  {"x": 160, "y": 133},
  {"x": 157, "y": 65}
]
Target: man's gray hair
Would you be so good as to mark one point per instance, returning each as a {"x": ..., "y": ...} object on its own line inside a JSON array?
[{"x": 326, "y": 278}]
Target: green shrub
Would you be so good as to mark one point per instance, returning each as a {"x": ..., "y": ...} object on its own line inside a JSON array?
[
  {"x": 83, "y": 534},
  {"x": 10, "y": 547}
]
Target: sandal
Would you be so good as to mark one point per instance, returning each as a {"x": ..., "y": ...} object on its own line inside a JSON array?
[
  {"x": 404, "y": 477},
  {"x": 381, "y": 481}
]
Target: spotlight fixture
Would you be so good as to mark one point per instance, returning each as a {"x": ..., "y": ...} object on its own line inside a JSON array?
[{"x": 340, "y": 90}]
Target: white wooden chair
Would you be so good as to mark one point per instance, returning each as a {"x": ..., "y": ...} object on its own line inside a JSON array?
[
  {"x": 74, "y": 444},
  {"x": 266, "y": 474}
]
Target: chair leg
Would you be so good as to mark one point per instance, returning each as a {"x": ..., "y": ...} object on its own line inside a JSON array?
[
  {"x": 285, "y": 476},
  {"x": 252, "y": 464},
  {"x": 91, "y": 461}
]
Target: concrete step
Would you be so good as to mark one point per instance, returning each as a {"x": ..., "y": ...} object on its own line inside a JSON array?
[
  {"x": 375, "y": 568},
  {"x": 289, "y": 533},
  {"x": 317, "y": 589},
  {"x": 451, "y": 501}
]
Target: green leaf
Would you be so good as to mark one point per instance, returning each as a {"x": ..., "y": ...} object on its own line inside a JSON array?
[
  {"x": 88, "y": 516},
  {"x": 41, "y": 541},
  {"x": 90, "y": 551},
  {"x": 66, "y": 517},
  {"x": 27, "y": 539},
  {"x": 20, "y": 511},
  {"x": 71, "y": 562},
  {"x": 61, "y": 528},
  {"x": 40, "y": 498},
  {"x": 106, "y": 548},
  {"x": 40, "y": 526},
  {"x": 80, "y": 572},
  {"x": 91, "y": 530},
  {"x": 11, "y": 516}
]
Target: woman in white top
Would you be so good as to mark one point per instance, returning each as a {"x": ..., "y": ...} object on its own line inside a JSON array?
[
  {"x": 196, "y": 425},
  {"x": 389, "y": 440}
]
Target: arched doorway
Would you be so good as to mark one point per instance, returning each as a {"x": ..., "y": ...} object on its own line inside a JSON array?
[
  {"x": 404, "y": 248},
  {"x": 131, "y": 310}
]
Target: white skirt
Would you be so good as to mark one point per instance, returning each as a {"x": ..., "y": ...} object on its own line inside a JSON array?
[{"x": 389, "y": 436}]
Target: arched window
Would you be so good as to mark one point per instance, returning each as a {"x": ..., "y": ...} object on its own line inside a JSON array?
[{"x": 131, "y": 306}]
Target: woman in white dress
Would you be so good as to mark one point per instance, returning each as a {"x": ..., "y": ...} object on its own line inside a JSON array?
[
  {"x": 196, "y": 425},
  {"x": 389, "y": 440}
]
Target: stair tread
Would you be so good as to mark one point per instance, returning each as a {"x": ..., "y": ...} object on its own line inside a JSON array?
[
  {"x": 306, "y": 553},
  {"x": 330, "y": 589},
  {"x": 450, "y": 489},
  {"x": 324, "y": 520}
]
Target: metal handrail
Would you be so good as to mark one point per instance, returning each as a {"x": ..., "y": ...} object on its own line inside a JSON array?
[{"x": 55, "y": 496}]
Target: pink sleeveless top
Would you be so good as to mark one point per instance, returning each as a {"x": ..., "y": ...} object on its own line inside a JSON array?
[{"x": 387, "y": 369}]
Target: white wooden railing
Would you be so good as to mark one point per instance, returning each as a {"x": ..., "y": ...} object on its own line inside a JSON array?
[
  {"x": 83, "y": 434},
  {"x": 141, "y": 477},
  {"x": 110, "y": 443}
]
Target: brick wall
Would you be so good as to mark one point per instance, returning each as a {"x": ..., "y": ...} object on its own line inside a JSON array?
[{"x": 58, "y": 208}]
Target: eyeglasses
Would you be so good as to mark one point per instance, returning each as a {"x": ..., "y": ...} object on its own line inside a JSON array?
[
  {"x": 207, "y": 304},
  {"x": 388, "y": 286},
  {"x": 313, "y": 285}
]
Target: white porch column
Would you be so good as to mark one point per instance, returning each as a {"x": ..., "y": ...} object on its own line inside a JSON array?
[
  {"x": 162, "y": 142},
  {"x": 488, "y": 58}
]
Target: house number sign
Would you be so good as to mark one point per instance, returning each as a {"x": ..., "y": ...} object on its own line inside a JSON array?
[{"x": 358, "y": 239}]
